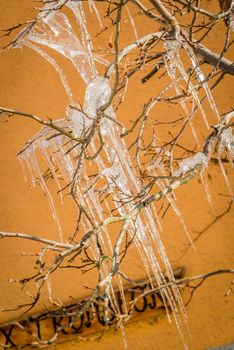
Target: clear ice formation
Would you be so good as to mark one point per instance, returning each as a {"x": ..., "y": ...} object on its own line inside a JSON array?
[
  {"x": 113, "y": 163},
  {"x": 190, "y": 163},
  {"x": 227, "y": 140}
]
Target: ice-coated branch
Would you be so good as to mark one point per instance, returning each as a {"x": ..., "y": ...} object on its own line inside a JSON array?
[
  {"x": 137, "y": 44},
  {"x": 203, "y": 52},
  {"x": 213, "y": 59},
  {"x": 167, "y": 15},
  {"x": 186, "y": 281},
  {"x": 116, "y": 62},
  {"x": 127, "y": 218},
  {"x": 49, "y": 124},
  {"x": 204, "y": 12},
  {"x": 34, "y": 238},
  {"x": 48, "y": 8},
  {"x": 114, "y": 192}
]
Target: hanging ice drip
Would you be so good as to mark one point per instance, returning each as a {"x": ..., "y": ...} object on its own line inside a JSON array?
[{"x": 106, "y": 150}]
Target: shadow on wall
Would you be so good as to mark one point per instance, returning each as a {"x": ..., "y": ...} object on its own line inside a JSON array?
[{"x": 225, "y": 347}]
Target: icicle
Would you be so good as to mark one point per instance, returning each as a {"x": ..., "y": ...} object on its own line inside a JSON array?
[
  {"x": 93, "y": 5},
  {"x": 201, "y": 79},
  {"x": 192, "y": 90},
  {"x": 178, "y": 214},
  {"x": 172, "y": 50},
  {"x": 56, "y": 33},
  {"x": 37, "y": 170},
  {"x": 77, "y": 9},
  {"x": 121, "y": 290},
  {"x": 225, "y": 176},
  {"x": 51, "y": 167},
  {"x": 132, "y": 22},
  {"x": 205, "y": 184},
  {"x": 57, "y": 68},
  {"x": 21, "y": 161},
  {"x": 114, "y": 164},
  {"x": 26, "y": 159},
  {"x": 62, "y": 160}
]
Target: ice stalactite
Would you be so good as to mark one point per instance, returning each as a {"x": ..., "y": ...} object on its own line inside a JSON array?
[
  {"x": 132, "y": 22},
  {"x": 57, "y": 68},
  {"x": 227, "y": 144},
  {"x": 201, "y": 80},
  {"x": 113, "y": 163},
  {"x": 174, "y": 67},
  {"x": 178, "y": 73}
]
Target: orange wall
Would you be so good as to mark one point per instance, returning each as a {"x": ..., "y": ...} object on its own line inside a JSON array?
[{"x": 30, "y": 84}]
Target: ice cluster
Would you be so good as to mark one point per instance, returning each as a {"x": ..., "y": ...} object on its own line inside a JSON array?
[
  {"x": 112, "y": 165},
  {"x": 190, "y": 163},
  {"x": 96, "y": 95},
  {"x": 227, "y": 140}
]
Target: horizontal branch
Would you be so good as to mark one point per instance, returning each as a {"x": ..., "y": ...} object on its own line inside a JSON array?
[
  {"x": 138, "y": 43},
  {"x": 49, "y": 124},
  {"x": 204, "y": 12},
  {"x": 213, "y": 59},
  {"x": 196, "y": 9},
  {"x": 200, "y": 50},
  {"x": 185, "y": 281},
  {"x": 34, "y": 238},
  {"x": 169, "y": 18}
]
